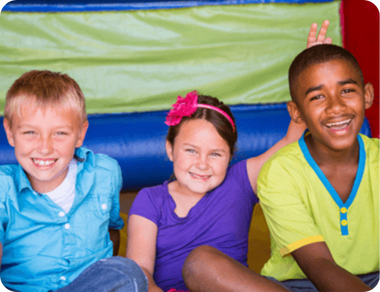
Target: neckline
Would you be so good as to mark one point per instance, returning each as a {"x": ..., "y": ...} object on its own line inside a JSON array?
[
  {"x": 173, "y": 205},
  {"x": 358, "y": 178}
]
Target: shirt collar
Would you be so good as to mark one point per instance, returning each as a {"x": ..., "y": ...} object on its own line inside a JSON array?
[
  {"x": 81, "y": 155},
  {"x": 24, "y": 182}
]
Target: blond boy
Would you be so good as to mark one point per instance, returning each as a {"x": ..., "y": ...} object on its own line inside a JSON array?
[{"x": 59, "y": 203}]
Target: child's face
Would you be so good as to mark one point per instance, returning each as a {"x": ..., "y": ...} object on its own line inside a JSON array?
[
  {"x": 331, "y": 100},
  {"x": 44, "y": 142},
  {"x": 200, "y": 157}
]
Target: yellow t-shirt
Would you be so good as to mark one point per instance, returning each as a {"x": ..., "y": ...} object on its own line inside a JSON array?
[{"x": 301, "y": 207}]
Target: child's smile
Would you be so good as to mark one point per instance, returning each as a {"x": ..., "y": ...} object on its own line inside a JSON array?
[
  {"x": 44, "y": 163},
  {"x": 331, "y": 101}
]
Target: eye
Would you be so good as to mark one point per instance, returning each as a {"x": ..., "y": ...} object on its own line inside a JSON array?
[
  {"x": 28, "y": 133},
  {"x": 190, "y": 150},
  {"x": 216, "y": 154},
  {"x": 61, "y": 133},
  {"x": 317, "y": 97},
  {"x": 348, "y": 90}
]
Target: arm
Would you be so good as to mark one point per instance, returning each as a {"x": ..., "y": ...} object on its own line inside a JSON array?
[
  {"x": 141, "y": 246},
  {"x": 316, "y": 261},
  {"x": 254, "y": 164},
  {"x": 115, "y": 238}
]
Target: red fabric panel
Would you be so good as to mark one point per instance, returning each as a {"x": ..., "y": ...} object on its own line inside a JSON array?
[{"x": 360, "y": 29}]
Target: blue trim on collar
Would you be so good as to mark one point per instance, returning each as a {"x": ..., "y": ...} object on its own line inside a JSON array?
[{"x": 330, "y": 188}]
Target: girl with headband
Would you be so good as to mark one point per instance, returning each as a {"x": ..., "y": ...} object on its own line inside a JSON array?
[{"x": 207, "y": 203}]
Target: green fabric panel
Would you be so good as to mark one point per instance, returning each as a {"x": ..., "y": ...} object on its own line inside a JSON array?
[{"x": 141, "y": 60}]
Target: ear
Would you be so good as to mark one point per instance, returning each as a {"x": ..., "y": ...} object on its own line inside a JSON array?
[
  {"x": 368, "y": 95},
  {"x": 82, "y": 134},
  {"x": 9, "y": 133},
  {"x": 169, "y": 150},
  {"x": 294, "y": 112}
]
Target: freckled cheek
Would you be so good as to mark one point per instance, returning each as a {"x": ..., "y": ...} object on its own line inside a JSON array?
[{"x": 65, "y": 149}]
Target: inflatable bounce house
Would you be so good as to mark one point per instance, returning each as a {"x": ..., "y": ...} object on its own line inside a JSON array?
[{"x": 133, "y": 58}]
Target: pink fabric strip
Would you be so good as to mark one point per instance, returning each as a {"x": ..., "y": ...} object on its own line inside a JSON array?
[{"x": 219, "y": 111}]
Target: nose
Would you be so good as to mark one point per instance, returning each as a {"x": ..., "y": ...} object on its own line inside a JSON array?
[
  {"x": 45, "y": 145},
  {"x": 202, "y": 162},
  {"x": 336, "y": 104}
]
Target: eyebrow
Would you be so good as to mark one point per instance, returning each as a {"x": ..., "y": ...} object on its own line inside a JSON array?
[
  {"x": 315, "y": 88},
  {"x": 347, "y": 81},
  {"x": 319, "y": 87},
  {"x": 35, "y": 127},
  {"x": 212, "y": 150}
]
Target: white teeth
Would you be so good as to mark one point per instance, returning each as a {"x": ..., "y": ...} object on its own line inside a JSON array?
[
  {"x": 338, "y": 123},
  {"x": 42, "y": 162}
]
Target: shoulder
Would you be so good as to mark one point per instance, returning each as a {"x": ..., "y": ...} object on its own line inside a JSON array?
[
  {"x": 237, "y": 167},
  {"x": 154, "y": 194},
  {"x": 285, "y": 170},
  {"x": 149, "y": 203},
  {"x": 289, "y": 156},
  {"x": 100, "y": 162},
  {"x": 371, "y": 144}
]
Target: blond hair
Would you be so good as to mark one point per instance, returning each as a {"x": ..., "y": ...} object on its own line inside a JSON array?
[{"x": 44, "y": 89}]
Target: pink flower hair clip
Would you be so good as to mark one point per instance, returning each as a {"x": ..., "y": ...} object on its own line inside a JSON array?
[{"x": 185, "y": 107}]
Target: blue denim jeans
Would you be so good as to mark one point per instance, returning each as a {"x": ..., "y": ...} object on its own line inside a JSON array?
[
  {"x": 116, "y": 274},
  {"x": 305, "y": 285}
]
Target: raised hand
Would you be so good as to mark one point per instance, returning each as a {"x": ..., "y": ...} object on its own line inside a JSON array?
[{"x": 313, "y": 39}]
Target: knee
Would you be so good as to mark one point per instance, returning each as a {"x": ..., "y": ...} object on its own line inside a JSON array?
[
  {"x": 201, "y": 255},
  {"x": 200, "y": 262}
]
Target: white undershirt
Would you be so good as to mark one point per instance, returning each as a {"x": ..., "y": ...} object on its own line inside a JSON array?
[{"x": 64, "y": 194}]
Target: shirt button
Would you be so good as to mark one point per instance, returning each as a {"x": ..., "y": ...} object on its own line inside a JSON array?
[
  {"x": 63, "y": 278},
  {"x": 343, "y": 210},
  {"x": 61, "y": 214},
  {"x": 344, "y": 222},
  {"x": 67, "y": 226},
  {"x": 104, "y": 206}
]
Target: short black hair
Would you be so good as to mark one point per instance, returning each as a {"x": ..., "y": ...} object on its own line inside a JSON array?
[{"x": 316, "y": 55}]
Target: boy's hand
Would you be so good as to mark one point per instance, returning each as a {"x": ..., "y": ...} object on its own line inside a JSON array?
[{"x": 313, "y": 39}]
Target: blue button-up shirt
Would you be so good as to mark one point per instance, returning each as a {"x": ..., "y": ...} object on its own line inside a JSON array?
[{"x": 45, "y": 248}]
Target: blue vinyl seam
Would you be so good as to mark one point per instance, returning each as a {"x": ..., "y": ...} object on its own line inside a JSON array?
[
  {"x": 330, "y": 188},
  {"x": 151, "y": 5}
]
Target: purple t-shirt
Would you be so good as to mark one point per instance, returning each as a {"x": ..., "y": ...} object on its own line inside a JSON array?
[{"x": 220, "y": 219}]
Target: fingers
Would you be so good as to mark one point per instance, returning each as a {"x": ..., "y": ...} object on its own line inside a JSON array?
[
  {"x": 313, "y": 39},
  {"x": 323, "y": 31}
]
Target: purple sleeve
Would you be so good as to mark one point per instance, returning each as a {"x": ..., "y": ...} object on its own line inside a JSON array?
[
  {"x": 146, "y": 206},
  {"x": 240, "y": 174}
]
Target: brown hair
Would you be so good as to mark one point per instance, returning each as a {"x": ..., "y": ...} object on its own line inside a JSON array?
[
  {"x": 45, "y": 88},
  {"x": 221, "y": 123}
]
